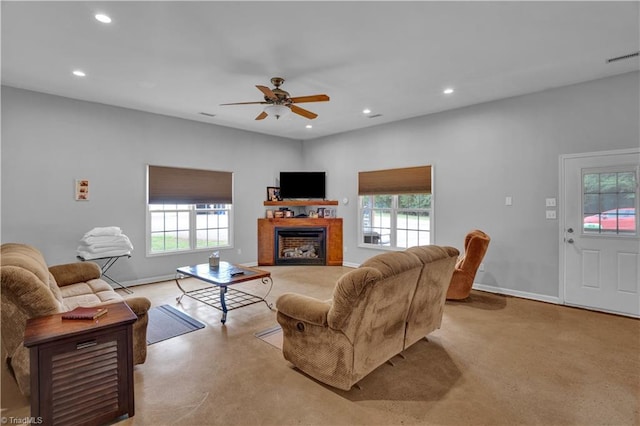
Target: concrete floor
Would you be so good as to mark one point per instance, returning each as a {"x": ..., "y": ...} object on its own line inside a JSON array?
[{"x": 496, "y": 360}]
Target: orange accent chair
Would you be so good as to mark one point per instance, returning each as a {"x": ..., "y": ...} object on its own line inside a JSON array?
[{"x": 475, "y": 246}]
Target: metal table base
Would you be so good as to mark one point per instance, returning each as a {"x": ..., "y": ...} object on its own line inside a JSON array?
[
  {"x": 226, "y": 299},
  {"x": 219, "y": 293}
]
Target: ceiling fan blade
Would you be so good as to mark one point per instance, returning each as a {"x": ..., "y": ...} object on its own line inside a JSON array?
[
  {"x": 267, "y": 92},
  {"x": 303, "y": 112},
  {"x": 312, "y": 98},
  {"x": 261, "y": 116},
  {"x": 246, "y": 103}
]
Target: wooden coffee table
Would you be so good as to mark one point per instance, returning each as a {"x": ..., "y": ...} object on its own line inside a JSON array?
[{"x": 219, "y": 295}]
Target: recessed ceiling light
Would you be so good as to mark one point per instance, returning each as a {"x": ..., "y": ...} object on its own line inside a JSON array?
[
  {"x": 366, "y": 111},
  {"x": 79, "y": 73},
  {"x": 448, "y": 91},
  {"x": 309, "y": 126},
  {"x": 103, "y": 18}
]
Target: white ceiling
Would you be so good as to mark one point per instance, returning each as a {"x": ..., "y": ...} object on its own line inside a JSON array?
[{"x": 183, "y": 58}]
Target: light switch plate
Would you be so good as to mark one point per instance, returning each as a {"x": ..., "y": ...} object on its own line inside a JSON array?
[
  {"x": 508, "y": 201},
  {"x": 550, "y": 202}
]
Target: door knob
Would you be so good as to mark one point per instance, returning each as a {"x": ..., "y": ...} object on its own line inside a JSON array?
[
  {"x": 570, "y": 230},
  {"x": 570, "y": 240}
]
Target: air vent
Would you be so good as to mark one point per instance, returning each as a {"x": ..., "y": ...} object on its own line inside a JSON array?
[
  {"x": 623, "y": 57},
  {"x": 207, "y": 114},
  {"x": 374, "y": 115}
]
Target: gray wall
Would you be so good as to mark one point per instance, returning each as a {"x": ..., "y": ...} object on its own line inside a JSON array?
[
  {"x": 49, "y": 141},
  {"x": 480, "y": 154}
]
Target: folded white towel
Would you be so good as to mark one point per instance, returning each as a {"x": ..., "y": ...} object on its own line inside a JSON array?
[
  {"x": 120, "y": 240},
  {"x": 102, "y": 239},
  {"x": 104, "y": 246},
  {"x": 88, "y": 256},
  {"x": 102, "y": 231}
]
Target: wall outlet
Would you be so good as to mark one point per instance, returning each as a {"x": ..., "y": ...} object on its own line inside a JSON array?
[
  {"x": 550, "y": 202},
  {"x": 551, "y": 214},
  {"x": 239, "y": 251},
  {"x": 481, "y": 267}
]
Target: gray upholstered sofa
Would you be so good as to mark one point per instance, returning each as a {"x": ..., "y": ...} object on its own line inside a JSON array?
[
  {"x": 31, "y": 289},
  {"x": 378, "y": 310}
]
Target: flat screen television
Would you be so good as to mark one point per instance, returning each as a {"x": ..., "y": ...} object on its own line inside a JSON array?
[{"x": 302, "y": 185}]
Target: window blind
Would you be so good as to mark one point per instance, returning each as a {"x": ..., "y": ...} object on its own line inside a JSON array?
[
  {"x": 171, "y": 185},
  {"x": 408, "y": 180}
]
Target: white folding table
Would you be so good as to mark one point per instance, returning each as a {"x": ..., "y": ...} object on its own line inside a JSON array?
[{"x": 109, "y": 261}]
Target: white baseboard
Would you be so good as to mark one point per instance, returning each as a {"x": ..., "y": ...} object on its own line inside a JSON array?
[
  {"x": 476, "y": 286},
  {"x": 157, "y": 279},
  {"x": 142, "y": 281},
  {"x": 517, "y": 293},
  {"x": 151, "y": 280}
]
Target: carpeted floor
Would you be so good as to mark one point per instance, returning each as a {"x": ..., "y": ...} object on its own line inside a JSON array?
[{"x": 496, "y": 361}]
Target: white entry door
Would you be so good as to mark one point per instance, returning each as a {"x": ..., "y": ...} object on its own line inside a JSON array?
[{"x": 599, "y": 256}]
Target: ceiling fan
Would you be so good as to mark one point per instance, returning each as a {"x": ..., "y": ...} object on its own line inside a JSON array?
[{"x": 280, "y": 103}]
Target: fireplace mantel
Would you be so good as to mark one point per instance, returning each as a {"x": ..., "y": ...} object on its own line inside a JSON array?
[
  {"x": 301, "y": 203},
  {"x": 266, "y": 237}
]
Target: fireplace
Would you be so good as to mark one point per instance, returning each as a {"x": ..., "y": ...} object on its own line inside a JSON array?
[
  {"x": 300, "y": 246},
  {"x": 267, "y": 237}
]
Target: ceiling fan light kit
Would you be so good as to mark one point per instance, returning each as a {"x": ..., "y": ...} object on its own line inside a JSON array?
[
  {"x": 277, "y": 111},
  {"x": 279, "y": 103}
]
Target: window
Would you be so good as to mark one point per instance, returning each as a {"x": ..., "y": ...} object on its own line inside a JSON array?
[
  {"x": 188, "y": 210},
  {"x": 395, "y": 207},
  {"x": 609, "y": 202}
]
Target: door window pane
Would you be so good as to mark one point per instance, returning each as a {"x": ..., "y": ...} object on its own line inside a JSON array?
[{"x": 609, "y": 203}]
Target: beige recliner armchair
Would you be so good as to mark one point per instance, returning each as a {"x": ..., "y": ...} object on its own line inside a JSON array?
[
  {"x": 30, "y": 289},
  {"x": 377, "y": 311}
]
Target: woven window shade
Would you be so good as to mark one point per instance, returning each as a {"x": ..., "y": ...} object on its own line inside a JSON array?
[
  {"x": 171, "y": 185},
  {"x": 408, "y": 180}
]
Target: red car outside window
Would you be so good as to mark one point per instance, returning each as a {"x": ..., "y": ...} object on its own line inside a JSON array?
[{"x": 612, "y": 220}]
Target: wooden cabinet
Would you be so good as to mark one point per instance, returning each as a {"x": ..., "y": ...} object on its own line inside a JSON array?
[
  {"x": 82, "y": 370},
  {"x": 267, "y": 226},
  {"x": 266, "y": 237}
]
